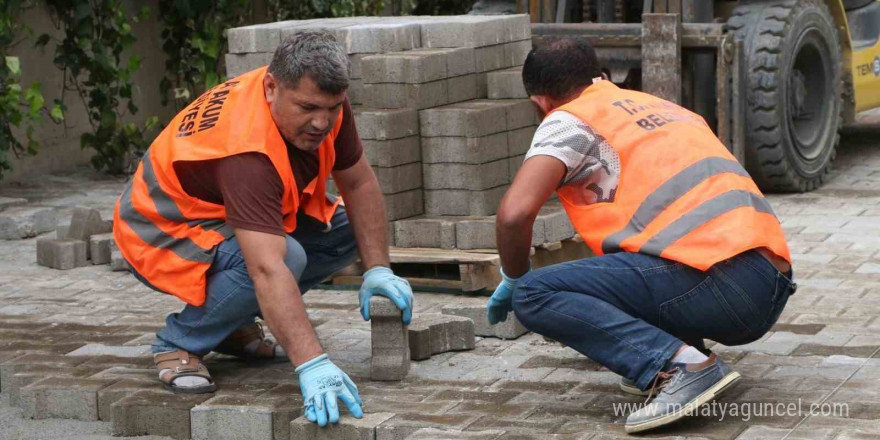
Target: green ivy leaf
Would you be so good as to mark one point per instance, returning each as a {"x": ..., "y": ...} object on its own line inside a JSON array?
[
  {"x": 57, "y": 113},
  {"x": 14, "y": 65}
]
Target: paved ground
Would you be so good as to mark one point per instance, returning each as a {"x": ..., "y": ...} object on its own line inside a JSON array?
[{"x": 823, "y": 351}]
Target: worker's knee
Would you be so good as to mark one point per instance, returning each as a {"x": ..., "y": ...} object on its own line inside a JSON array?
[{"x": 296, "y": 258}]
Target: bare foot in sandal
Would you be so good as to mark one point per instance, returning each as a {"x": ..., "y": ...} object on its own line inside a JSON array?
[
  {"x": 250, "y": 342},
  {"x": 183, "y": 372}
]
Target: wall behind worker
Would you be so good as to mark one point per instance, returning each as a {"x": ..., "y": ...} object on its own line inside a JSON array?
[{"x": 59, "y": 148}]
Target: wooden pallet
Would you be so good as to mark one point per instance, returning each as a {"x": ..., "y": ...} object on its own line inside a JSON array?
[{"x": 468, "y": 271}]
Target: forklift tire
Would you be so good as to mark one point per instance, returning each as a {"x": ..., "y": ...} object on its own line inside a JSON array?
[{"x": 794, "y": 97}]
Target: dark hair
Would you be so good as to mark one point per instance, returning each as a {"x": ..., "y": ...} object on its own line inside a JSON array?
[
  {"x": 315, "y": 53},
  {"x": 559, "y": 67}
]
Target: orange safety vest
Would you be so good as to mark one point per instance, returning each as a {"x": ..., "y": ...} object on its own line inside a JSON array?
[
  {"x": 168, "y": 236},
  {"x": 681, "y": 195}
]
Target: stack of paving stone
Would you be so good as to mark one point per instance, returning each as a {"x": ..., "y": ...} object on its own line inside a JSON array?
[{"x": 86, "y": 238}]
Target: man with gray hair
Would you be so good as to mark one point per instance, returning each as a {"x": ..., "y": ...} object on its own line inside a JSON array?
[{"x": 228, "y": 211}]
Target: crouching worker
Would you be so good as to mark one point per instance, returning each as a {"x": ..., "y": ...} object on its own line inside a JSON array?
[
  {"x": 687, "y": 247},
  {"x": 228, "y": 211}
]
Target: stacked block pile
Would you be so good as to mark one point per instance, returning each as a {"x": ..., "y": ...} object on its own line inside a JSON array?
[{"x": 442, "y": 113}]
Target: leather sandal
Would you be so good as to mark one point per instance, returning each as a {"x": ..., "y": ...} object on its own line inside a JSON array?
[
  {"x": 181, "y": 363},
  {"x": 236, "y": 344}
]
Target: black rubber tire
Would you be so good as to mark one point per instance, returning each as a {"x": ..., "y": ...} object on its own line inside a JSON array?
[{"x": 771, "y": 31}]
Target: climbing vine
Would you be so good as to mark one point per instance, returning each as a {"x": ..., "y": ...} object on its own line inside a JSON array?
[
  {"x": 21, "y": 107},
  {"x": 95, "y": 56}
]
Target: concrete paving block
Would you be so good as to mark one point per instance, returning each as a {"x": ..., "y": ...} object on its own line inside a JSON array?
[
  {"x": 401, "y": 178},
  {"x": 61, "y": 231},
  {"x": 232, "y": 417},
  {"x": 505, "y": 84},
  {"x": 424, "y": 233},
  {"x": 62, "y": 398},
  {"x": 462, "y": 88},
  {"x": 122, "y": 388},
  {"x": 463, "y": 31},
  {"x": 463, "y": 202},
  {"x": 515, "y": 52},
  {"x": 518, "y": 27},
  {"x": 414, "y": 96},
  {"x": 520, "y": 140},
  {"x": 85, "y": 222},
  {"x": 117, "y": 262},
  {"x": 356, "y": 63},
  {"x": 381, "y": 124},
  {"x": 355, "y": 92},
  {"x": 349, "y": 428},
  {"x": 8, "y": 202},
  {"x": 26, "y": 362},
  {"x": 260, "y": 37},
  {"x": 521, "y": 113},
  {"x": 489, "y": 58},
  {"x": 379, "y": 37},
  {"x": 99, "y": 248},
  {"x": 20, "y": 222},
  {"x": 459, "y": 61},
  {"x": 35, "y": 373},
  {"x": 464, "y": 149},
  {"x": 479, "y": 233},
  {"x": 155, "y": 413},
  {"x": 466, "y": 176},
  {"x": 427, "y": 95},
  {"x": 62, "y": 254},
  {"x": 515, "y": 163},
  {"x": 133, "y": 351},
  {"x": 557, "y": 226},
  {"x": 469, "y": 119},
  {"x": 435, "y": 334},
  {"x": 482, "y": 85},
  {"x": 389, "y": 344},
  {"x": 405, "y": 204},
  {"x": 392, "y": 152},
  {"x": 451, "y": 434},
  {"x": 413, "y": 67},
  {"x": 385, "y": 95},
  {"x": 239, "y": 63},
  {"x": 509, "y": 329}
]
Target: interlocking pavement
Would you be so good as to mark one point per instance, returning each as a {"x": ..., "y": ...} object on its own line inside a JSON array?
[{"x": 73, "y": 345}]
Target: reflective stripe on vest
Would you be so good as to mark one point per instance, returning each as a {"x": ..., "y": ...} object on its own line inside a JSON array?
[{"x": 681, "y": 195}]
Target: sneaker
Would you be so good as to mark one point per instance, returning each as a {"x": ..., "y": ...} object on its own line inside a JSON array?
[
  {"x": 629, "y": 387},
  {"x": 685, "y": 387}
]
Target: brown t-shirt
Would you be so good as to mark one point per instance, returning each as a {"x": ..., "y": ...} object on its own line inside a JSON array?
[{"x": 250, "y": 188}]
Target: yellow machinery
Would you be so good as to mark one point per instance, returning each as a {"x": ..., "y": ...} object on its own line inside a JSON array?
[{"x": 777, "y": 79}]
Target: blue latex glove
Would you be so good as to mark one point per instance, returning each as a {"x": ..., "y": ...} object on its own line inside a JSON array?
[
  {"x": 321, "y": 383},
  {"x": 501, "y": 302},
  {"x": 381, "y": 280}
]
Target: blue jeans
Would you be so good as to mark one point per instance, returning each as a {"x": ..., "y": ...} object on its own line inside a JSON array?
[
  {"x": 631, "y": 312},
  {"x": 313, "y": 253}
]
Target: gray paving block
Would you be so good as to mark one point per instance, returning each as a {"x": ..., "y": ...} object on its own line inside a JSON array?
[
  {"x": 462, "y": 88},
  {"x": 469, "y": 119},
  {"x": 459, "y": 61},
  {"x": 18, "y": 222},
  {"x": 489, "y": 58},
  {"x": 349, "y": 428},
  {"x": 463, "y": 31},
  {"x": 356, "y": 65},
  {"x": 355, "y": 92},
  {"x": 515, "y": 52},
  {"x": 117, "y": 262},
  {"x": 505, "y": 84},
  {"x": 455, "y": 434},
  {"x": 479, "y": 233},
  {"x": 509, "y": 329},
  {"x": 465, "y": 176},
  {"x": 260, "y": 37},
  {"x": 393, "y": 152},
  {"x": 379, "y": 37},
  {"x": 383, "y": 124},
  {"x": 232, "y": 418},
  {"x": 482, "y": 85},
  {"x": 463, "y": 202},
  {"x": 557, "y": 226},
  {"x": 404, "y": 205},
  {"x": 8, "y": 202},
  {"x": 122, "y": 351},
  {"x": 99, "y": 248},
  {"x": 122, "y": 388},
  {"x": 239, "y": 63},
  {"x": 515, "y": 163},
  {"x": 401, "y": 178},
  {"x": 518, "y": 27},
  {"x": 424, "y": 232},
  {"x": 85, "y": 222},
  {"x": 28, "y": 361},
  {"x": 521, "y": 113},
  {"x": 61, "y": 231},
  {"x": 389, "y": 344},
  {"x": 413, "y": 67},
  {"x": 62, "y": 254},
  {"x": 520, "y": 140},
  {"x": 414, "y": 96},
  {"x": 155, "y": 413},
  {"x": 435, "y": 334},
  {"x": 62, "y": 398},
  {"x": 464, "y": 149}
]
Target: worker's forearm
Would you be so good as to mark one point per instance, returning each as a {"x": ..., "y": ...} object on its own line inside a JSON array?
[
  {"x": 514, "y": 246},
  {"x": 285, "y": 312},
  {"x": 366, "y": 213}
]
